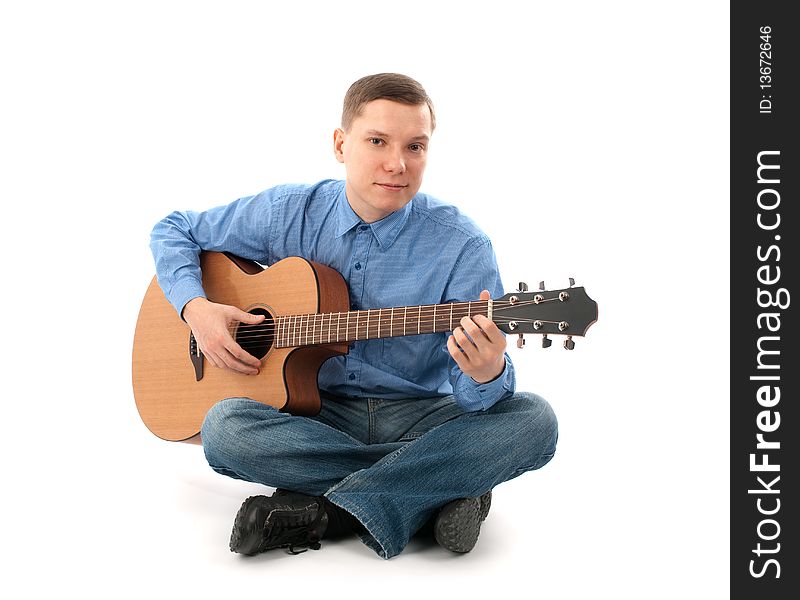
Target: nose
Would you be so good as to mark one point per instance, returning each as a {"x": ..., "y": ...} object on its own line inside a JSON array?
[{"x": 395, "y": 163}]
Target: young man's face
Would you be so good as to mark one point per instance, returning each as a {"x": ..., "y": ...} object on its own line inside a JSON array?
[{"x": 384, "y": 153}]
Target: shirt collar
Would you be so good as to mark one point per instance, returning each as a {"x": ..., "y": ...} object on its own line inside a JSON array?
[{"x": 385, "y": 231}]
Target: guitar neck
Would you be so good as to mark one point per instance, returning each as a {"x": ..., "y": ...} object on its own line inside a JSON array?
[{"x": 345, "y": 327}]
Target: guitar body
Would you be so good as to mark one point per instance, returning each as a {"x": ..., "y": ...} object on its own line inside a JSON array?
[{"x": 173, "y": 402}]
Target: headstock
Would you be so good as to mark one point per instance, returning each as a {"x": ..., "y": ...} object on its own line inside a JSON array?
[{"x": 568, "y": 312}]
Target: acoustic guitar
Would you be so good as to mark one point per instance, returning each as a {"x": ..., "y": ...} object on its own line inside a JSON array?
[{"x": 307, "y": 321}]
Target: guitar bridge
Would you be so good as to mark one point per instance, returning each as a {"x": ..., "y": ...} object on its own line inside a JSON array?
[{"x": 196, "y": 356}]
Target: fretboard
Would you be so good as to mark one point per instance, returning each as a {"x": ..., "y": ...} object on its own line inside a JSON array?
[{"x": 332, "y": 328}]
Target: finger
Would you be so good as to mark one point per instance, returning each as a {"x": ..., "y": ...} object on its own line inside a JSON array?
[
  {"x": 246, "y": 317},
  {"x": 489, "y": 328},
  {"x": 221, "y": 351},
  {"x": 457, "y": 353},
  {"x": 237, "y": 366},
  {"x": 465, "y": 341},
  {"x": 243, "y": 355},
  {"x": 237, "y": 359},
  {"x": 485, "y": 295},
  {"x": 472, "y": 329}
]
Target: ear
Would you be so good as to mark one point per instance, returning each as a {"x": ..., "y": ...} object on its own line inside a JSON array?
[{"x": 338, "y": 141}]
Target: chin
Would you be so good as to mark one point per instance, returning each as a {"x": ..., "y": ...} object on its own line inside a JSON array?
[{"x": 396, "y": 202}]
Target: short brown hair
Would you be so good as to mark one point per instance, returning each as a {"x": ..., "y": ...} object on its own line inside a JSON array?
[{"x": 388, "y": 86}]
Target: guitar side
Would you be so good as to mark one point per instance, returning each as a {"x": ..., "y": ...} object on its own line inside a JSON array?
[{"x": 172, "y": 403}]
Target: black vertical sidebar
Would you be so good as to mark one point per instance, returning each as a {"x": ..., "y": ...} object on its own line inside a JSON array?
[{"x": 765, "y": 299}]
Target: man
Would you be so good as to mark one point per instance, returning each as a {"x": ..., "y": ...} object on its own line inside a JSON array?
[{"x": 413, "y": 430}]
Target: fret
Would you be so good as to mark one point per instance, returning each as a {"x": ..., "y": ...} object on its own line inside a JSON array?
[
  {"x": 298, "y": 325},
  {"x": 319, "y": 328},
  {"x": 300, "y": 329}
]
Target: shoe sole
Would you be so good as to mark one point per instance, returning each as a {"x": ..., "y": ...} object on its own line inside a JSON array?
[
  {"x": 458, "y": 524},
  {"x": 244, "y": 540}
]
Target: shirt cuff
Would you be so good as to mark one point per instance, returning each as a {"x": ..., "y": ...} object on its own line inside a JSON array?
[
  {"x": 183, "y": 291},
  {"x": 473, "y": 396}
]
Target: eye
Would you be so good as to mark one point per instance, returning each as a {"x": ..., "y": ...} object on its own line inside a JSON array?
[
  {"x": 375, "y": 141},
  {"x": 416, "y": 147}
]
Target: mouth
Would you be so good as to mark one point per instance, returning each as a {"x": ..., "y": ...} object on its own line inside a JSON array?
[{"x": 392, "y": 187}]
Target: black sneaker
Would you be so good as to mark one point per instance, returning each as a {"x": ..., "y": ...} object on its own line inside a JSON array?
[
  {"x": 458, "y": 523},
  {"x": 285, "y": 520}
]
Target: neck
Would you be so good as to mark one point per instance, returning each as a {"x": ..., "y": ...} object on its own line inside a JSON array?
[{"x": 331, "y": 328}]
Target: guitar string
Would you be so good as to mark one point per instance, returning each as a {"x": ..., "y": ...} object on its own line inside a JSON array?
[
  {"x": 258, "y": 332},
  {"x": 298, "y": 336},
  {"x": 427, "y": 311},
  {"x": 425, "y": 315}
]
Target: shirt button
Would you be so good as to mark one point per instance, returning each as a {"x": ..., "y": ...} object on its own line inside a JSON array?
[
  {"x": 358, "y": 266},
  {"x": 363, "y": 228},
  {"x": 351, "y": 376}
]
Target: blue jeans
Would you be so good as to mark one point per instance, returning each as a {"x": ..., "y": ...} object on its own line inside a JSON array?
[{"x": 390, "y": 463}]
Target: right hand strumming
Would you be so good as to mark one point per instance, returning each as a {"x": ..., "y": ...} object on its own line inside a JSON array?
[{"x": 210, "y": 323}]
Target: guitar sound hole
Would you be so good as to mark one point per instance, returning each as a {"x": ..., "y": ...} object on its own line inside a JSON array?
[{"x": 257, "y": 339}]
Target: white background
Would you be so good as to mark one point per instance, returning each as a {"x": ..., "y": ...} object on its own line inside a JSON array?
[{"x": 589, "y": 139}]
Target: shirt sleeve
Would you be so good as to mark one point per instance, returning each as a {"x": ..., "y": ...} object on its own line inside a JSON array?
[
  {"x": 243, "y": 228},
  {"x": 475, "y": 271}
]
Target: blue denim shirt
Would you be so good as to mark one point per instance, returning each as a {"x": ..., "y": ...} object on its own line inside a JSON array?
[{"x": 426, "y": 253}]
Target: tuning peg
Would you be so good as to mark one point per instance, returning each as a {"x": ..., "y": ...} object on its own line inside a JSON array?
[
  {"x": 520, "y": 340},
  {"x": 541, "y": 285},
  {"x": 568, "y": 343},
  {"x": 522, "y": 286},
  {"x": 546, "y": 341},
  {"x": 571, "y": 282}
]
